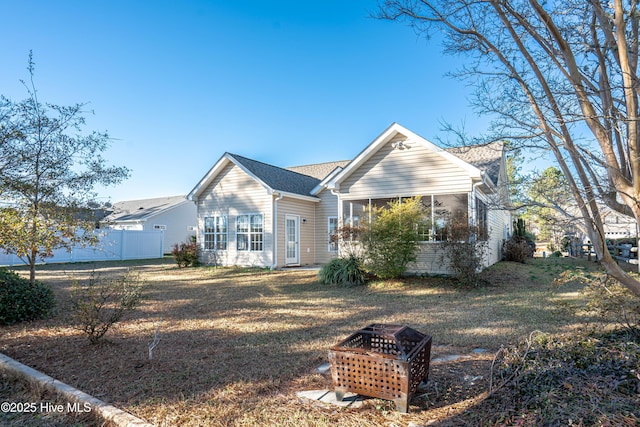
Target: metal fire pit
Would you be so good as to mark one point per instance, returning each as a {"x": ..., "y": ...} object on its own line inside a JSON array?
[{"x": 382, "y": 361}]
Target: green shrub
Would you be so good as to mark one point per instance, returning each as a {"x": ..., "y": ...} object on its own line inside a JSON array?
[
  {"x": 187, "y": 254},
  {"x": 20, "y": 301},
  {"x": 390, "y": 240},
  {"x": 342, "y": 271},
  {"x": 102, "y": 301}
]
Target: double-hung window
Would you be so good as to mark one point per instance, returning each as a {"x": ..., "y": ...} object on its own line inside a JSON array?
[
  {"x": 249, "y": 232},
  {"x": 215, "y": 233}
]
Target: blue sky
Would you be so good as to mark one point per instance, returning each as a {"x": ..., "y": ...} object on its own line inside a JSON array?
[{"x": 178, "y": 83}]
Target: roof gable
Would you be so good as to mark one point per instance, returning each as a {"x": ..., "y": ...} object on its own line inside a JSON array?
[
  {"x": 479, "y": 162},
  {"x": 399, "y": 135},
  {"x": 297, "y": 181}
]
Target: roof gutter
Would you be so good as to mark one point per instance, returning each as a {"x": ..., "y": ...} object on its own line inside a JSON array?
[{"x": 282, "y": 194}]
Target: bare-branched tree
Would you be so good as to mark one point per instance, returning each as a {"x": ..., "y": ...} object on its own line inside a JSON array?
[{"x": 557, "y": 76}]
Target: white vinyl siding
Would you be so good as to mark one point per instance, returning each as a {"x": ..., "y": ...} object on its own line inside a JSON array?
[
  {"x": 306, "y": 211},
  {"x": 415, "y": 170},
  {"x": 173, "y": 223},
  {"x": 328, "y": 207},
  {"x": 411, "y": 171},
  {"x": 499, "y": 228},
  {"x": 234, "y": 193}
]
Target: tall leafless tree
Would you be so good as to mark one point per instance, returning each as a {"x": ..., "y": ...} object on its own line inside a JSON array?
[{"x": 558, "y": 76}]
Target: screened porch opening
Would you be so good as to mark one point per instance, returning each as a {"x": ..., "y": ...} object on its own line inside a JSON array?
[{"x": 442, "y": 213}]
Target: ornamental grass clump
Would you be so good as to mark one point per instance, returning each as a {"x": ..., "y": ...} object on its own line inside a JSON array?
[{"x": 343, "y": 271}]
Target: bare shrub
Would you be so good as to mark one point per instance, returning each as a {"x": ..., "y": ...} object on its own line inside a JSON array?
[
  {"x": 608, "y": 301},
  {"x": 464, "y": 252},
  {"x": 613, "y": 303},
  {"x": 101, "y": 302}
]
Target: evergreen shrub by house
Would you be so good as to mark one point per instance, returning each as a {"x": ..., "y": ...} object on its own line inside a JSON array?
[
  {"x": 20, "y": 301},
  {"x": 516, "y": 249}
]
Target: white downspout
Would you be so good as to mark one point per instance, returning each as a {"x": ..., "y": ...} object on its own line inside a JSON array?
[
  {"x": 274, "y": 238},
  {"x": 340, "y": 214}
]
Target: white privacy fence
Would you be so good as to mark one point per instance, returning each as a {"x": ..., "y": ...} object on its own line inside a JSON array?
[{"x": 113, "y": 245}]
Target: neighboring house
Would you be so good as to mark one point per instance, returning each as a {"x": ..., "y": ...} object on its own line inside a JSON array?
[
  {"x": 175, "y": 216},
  {"x": 253, "y": 213},
  {"x": 618, "y": 226}
]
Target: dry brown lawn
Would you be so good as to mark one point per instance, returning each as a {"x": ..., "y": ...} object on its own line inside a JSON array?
[{"x": 237, "y": 344}]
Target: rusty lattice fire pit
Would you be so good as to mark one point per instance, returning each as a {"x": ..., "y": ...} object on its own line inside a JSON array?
[{"x": 383, "y": 361}]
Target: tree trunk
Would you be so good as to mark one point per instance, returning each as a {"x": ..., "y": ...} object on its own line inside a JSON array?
[
  {"x": 32, "y": 266},
  {"x": 617, "y": 273},
  {"x": 609, "y": 263}
]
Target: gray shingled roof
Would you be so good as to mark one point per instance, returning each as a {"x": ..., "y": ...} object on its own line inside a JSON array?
[
  {"x": 134, "y": 210},
  {"x": 486, "y": 157},
  {"x": 302, "y": 179},
  {"x": 319, "y": 170},
  {"x": 277, "y": 178}
]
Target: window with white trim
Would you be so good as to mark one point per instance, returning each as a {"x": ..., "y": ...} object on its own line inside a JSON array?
[
  {"x": 215, "y": 233},
  {"x": 333, "y": 233},
  {"x": 249, "y": 232},
  {"x": 482, "y": 218}
]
